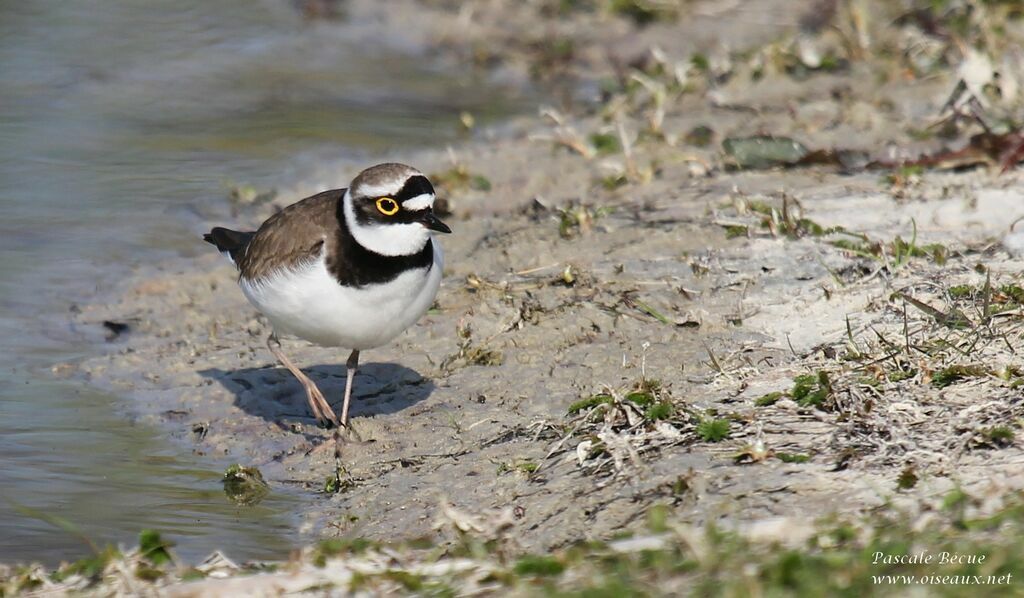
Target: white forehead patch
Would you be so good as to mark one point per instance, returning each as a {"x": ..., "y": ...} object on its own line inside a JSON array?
[
  {"x": 420, "y": 202},
  {"x": 387, "y": 189}
]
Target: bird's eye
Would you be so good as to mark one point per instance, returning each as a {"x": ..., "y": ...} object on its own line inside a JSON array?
[{"x": 387, "y": 206}]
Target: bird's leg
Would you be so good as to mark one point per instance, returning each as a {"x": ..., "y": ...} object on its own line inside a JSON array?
[
  {"x": 340, "y": 474},
  {"x": 317, "y": 403},
  {"x": 352, "y": 365}
]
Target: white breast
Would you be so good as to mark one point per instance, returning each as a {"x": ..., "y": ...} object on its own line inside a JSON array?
[{"x": 308, "y": 302}]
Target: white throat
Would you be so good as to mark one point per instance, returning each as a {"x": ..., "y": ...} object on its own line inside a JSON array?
[{"x": 386, "y": 239}]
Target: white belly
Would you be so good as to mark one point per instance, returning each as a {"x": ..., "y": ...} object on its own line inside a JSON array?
[{"x": 309, "y": 303}]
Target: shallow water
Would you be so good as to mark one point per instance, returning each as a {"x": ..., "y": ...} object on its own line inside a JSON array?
[{"x": 115, "y": 116}]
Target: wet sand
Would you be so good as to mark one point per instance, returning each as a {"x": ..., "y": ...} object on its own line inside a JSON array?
[{"x": 574, "y": 274}]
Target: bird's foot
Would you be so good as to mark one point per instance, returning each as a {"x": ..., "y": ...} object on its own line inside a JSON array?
[
  {"x": 325, "y": 417},
  {"x": 348, "y": 434}
]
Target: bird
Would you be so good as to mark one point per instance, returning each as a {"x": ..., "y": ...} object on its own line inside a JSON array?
[{"x": 349, "y": 268}]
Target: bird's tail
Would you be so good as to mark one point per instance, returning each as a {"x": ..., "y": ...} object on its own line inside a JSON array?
[{"x": 229, "y": 242}]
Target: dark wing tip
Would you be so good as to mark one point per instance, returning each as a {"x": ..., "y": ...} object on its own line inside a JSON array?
[{"x": 228, "y": 241}]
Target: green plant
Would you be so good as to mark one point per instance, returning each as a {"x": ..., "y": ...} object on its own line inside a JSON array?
[{"x": 713, "y": 429}]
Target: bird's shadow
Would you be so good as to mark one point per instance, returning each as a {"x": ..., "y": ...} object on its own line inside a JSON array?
[{"x": 272, "y": 393}]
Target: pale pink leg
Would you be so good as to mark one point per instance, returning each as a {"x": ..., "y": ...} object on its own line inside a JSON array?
[{"x": 317, "y": 403}]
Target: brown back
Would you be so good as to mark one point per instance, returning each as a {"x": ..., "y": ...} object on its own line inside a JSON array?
[{"x": 293, "y": 235}]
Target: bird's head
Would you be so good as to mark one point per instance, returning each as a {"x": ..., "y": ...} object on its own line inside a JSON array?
[{"x": 390, "y": 210}]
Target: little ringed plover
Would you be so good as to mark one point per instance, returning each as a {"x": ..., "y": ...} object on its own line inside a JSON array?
[{"x": 348, "y": 268}]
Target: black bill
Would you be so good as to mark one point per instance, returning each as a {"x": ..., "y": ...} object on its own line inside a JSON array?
[{"x": 432, "y": 222}]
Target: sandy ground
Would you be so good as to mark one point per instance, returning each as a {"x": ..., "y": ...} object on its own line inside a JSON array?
[{"x": 558, "y": 287}]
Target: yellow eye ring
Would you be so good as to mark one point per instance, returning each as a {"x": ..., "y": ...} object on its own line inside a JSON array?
[{"x": 387, "y": 206}]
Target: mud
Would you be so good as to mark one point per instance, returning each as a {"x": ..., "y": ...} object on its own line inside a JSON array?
[{"x": 539, "y": 310}]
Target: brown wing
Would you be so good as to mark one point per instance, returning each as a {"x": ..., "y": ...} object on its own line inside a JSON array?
[{"x": 294, "y": 234}]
